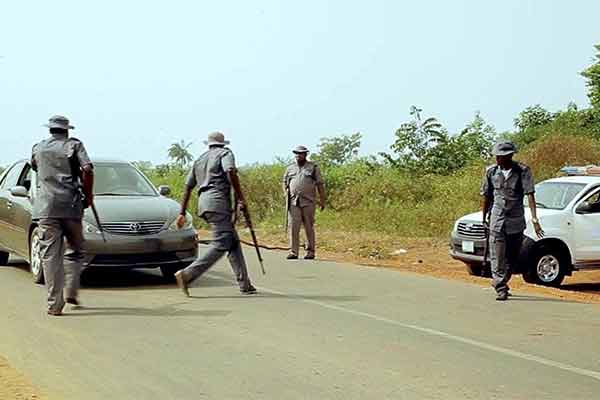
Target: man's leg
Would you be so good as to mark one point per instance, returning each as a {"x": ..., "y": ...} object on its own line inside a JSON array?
[
  {"x": 500, "y": 272},
  {"x": 513, "y": 249},
  {"x": 73, "y": 258},
  {"x": 295, "y": 219},
  {"x": 52, "y": 251},
  {"x": 308, "y": 219},
  {"x": 238, "y": 264},
  {"x": 217, "y": 248}
]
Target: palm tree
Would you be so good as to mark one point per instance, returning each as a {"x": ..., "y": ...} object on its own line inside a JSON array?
[{"x": 179, "y": 153}]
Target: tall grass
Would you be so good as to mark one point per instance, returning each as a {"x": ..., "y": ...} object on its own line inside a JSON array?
[{"x": 373, "y": 198}]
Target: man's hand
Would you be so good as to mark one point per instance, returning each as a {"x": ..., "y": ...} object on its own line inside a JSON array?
[
  {"x": 322, "y": 204},
  {"x": 538, "y": 229},
  {"x": 180, "y": 221}
]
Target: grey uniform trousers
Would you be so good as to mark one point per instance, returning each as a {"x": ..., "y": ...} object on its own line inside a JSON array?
[
  {"x": 61, "y": 264},
  {"x": 504, "y": 252},
  {"x": 297, "y": 217},
  {"x": 225, "y": 239}
]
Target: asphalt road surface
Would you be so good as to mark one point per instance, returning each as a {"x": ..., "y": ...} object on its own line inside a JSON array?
[{"x": 317, "y": 330}]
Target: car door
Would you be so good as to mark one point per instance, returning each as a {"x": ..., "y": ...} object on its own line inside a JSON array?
[
  {"x": 21, "y": 213},
  {"x": 586, "y": 223},
  {"x": 6, "y": 205}
]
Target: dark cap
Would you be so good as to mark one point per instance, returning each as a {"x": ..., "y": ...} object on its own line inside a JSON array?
[{"x": 504, "y": 148}]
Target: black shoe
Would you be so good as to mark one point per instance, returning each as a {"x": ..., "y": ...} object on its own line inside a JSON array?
[
  {"x": 182, "y": 283},
  {"x": 502, "y": 296},
  {"x": 309, "y": 257},
  {"x": 248, "y": 290},
  {"x": 72, "y": 300},
  {"x": 292, "y": 257}
]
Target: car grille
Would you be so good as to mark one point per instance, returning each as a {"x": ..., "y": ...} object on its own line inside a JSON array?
[
  {"x": 471, "y": 230},
  {"x": 133, "y": 259},
  {"x": 133, "y": 228}
]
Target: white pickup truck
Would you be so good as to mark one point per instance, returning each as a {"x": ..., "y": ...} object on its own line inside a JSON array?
[{"x": 569, "y": 211}]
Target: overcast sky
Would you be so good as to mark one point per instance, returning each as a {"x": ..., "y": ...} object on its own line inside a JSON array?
[{"x": 136, "y": 76}]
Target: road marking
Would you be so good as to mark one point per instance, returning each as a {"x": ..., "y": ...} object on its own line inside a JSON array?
[{"x": 434, "y": 332}]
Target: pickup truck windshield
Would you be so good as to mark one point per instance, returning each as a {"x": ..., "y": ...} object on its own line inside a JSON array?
[{"x": 555, "y": 195}]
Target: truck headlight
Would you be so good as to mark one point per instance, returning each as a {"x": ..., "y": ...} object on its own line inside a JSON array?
[{"x": 189, "y": 223}]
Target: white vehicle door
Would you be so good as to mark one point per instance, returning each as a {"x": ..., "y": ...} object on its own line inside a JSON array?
[{"x": 586, "y": 230}]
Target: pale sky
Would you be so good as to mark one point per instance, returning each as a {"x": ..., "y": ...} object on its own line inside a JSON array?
[{"x": 136, "y": 76}]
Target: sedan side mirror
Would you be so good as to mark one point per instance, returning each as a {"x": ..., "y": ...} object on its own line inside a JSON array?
[
  {"x": 164, "y": 190},
  {"x": 19, "y": 191}
]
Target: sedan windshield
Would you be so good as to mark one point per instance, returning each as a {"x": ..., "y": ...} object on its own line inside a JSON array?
[
  {"x": 120, "y": 180},
  {"x": 555, "y": 195}
]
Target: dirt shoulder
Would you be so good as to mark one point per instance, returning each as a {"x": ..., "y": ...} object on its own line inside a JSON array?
[{"x": 14, "y": 385}]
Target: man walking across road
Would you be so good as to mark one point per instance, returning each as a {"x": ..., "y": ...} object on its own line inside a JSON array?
[
  {"x": 503, "y": 189},
  {"x": 215, "y": 173},
  {"x": 300, "y": 184},
  {"x": 58, "y": 207}
]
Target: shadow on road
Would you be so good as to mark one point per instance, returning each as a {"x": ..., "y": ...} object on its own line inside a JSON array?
[
  {"x": 168, "y": 310},
  {"x": 587, "y": 287}
]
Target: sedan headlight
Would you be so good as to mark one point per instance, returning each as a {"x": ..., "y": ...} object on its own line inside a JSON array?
[
  {"x": 90, "y": 228},
  {"x": 189, "y": 223}
]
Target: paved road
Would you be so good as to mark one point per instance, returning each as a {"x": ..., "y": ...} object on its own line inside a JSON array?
[{"x": 318, "y": 330}]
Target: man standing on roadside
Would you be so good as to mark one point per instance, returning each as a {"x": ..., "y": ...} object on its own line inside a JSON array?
[
  {"x": 300, "y": 184},
  {"x": 215, "y": 174},
  {"x": 63, "y": 170},
  {"x": 503, "y": 189}
]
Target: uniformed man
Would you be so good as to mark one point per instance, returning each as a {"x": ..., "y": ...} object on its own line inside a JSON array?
[
  {"x": 300, "y": 184},
  {"x": 215, "y": 174},
  {"x": 503, "y": 189},
  {"x": 64, "y": 189}
]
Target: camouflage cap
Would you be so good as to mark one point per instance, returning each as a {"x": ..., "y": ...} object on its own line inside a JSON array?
[
  {"x": 58, "y": 121},
  {"x": 300, "y": 149},
  {"x": 504, "y": 148}
]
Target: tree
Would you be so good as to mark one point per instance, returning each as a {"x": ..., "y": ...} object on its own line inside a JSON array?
[
  {"x": 179, "y": 153},
  {"x": 144, "y": 166},
  {"x": 414, "y": 140},
  {"x": 338, "y": 150},
  {"x": 592, "y": 75},
  {"x": 533, "y": 117},
  {"x": 476, "y": 139}
]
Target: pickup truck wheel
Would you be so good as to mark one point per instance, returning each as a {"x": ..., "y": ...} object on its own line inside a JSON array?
[
  {"x": 3, "y": 258},
  {"x": 548, "y": 268},
  {"x": 35, "y": 257}
]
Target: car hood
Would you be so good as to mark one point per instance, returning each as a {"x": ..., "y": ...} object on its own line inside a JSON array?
[
  {"x": 133, "y": 209},
  {"x": 541, "y": 212}
]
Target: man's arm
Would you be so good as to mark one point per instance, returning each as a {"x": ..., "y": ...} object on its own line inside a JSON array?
[
  {"x": 87, "y": 177},
  {"x": 322, "y": 196},
  {"x": 190, "y": 184},
  {"x": 529, "y": 190},
  {"x": 237, "y": 187}
]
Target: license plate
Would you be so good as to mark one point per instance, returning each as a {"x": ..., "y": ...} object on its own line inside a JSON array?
[{"x": 468, "y": 247}]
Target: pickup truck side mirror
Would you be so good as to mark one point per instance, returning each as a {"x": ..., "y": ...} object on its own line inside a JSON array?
[
  {"x": 19, "y": 191},
  {"x": 164, "y": 190},
  {"x": 587, "y": 208}
]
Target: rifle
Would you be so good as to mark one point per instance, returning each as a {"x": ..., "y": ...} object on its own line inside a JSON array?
[
  {"x": 486, "y": 248},
  {"x": 95, "y": 212},
  {"x": 254, "y": 240},
  {"x": 287, "y": 208}
]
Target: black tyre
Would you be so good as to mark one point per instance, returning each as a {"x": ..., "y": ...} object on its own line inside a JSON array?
[
  {"x": 35, "y": 258},
  {"x": 3, "y": 258},
  {"x": 548, "y": 267},
  {"x": 168, "y": 271}
]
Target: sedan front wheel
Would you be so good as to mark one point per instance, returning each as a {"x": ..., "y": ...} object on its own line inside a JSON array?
[{"x": 35, "y": 256}]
